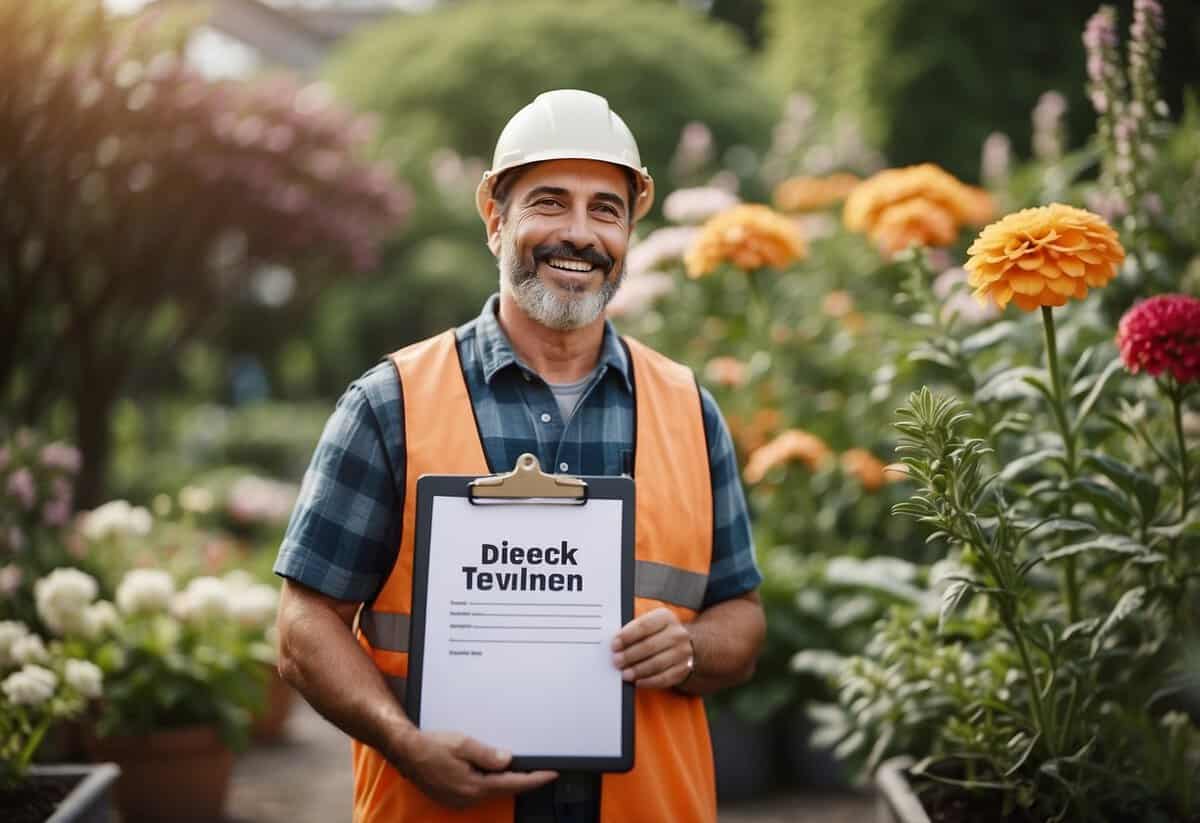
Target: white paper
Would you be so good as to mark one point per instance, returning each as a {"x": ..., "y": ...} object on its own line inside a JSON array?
[{"x": 520, "y": 665}]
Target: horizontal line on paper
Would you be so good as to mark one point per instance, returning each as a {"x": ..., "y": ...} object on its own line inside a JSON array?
[
  {"x": 514, "y": 614},
  {"x": 534, "y": 642},
  {"x": 491, "y": 603},
  {"x": 537, "y": 628}
]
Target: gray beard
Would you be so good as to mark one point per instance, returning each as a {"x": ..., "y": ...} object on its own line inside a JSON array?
[{"x": 545, "y": 303}]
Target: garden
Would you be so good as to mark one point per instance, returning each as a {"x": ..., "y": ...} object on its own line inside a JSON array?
[{"x": 943, "y": 279}]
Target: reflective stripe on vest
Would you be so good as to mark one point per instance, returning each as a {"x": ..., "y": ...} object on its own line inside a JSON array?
[{"x": 672, "y": 776}]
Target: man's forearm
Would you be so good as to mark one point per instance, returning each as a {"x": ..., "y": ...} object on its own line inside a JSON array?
[
  {"x": 726, "y": 638},
  {"x": 321, "y": 659}
]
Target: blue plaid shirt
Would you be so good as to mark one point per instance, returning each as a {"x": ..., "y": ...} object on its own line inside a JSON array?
[{"x": 345, "y": 529}]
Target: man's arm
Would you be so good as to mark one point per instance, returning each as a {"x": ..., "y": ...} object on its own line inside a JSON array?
[
  {"x": 652, "y": 651},
  {"x": 320, "y": 657}
]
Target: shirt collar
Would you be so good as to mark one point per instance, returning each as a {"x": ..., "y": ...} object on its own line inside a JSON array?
[{"x": 496, "y": 353}]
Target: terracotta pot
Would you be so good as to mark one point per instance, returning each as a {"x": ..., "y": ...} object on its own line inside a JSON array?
[
  {"x": 269, "y": 725},
  {"x": 171, "y": 775}
]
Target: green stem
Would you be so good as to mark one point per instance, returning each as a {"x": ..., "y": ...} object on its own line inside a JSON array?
[
  {"x": 1176, "y": 395},
  {"x": 1035, "y": 690},
  {"x": 1070, "y": 579}
]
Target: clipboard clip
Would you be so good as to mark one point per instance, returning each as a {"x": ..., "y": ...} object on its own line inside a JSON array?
[{"x": 527, "y": 481}]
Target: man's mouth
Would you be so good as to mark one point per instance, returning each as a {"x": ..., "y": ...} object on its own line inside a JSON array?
[{"x": 569, "y": 264}]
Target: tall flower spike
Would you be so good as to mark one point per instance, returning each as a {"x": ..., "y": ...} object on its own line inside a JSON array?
[{"x": 1043, "y": 256}]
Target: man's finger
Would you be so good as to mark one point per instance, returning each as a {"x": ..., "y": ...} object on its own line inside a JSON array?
[
  {"x": 648, "y": 647},
  {"x": 664, "y": 680},
  {"x": 515, "y": 782},
  {"x": 656, "y": 664},
  {"x": 642, "y": 627},
  {"x": 481, "y": 756}
]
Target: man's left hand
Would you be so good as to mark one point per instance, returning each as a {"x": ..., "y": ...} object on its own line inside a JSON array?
[{"x": 654, "y": 651}]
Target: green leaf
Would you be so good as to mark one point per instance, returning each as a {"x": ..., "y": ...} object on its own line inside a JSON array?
[
  {"x": 1129, "y": 603},
  {"x": 1039, "y": 382},
  {"x": 993, "y": 334},
  {"x": 1084, "y": 627},
  {"x": 1088, "y": 402},
  {"x": 1023, "y": 464},
  {"x": 1131, "y": 480},
  {"x": 951, "y": 598},
  {"x": 1008, "y": 385},
  {"x": 1117, "y": 543},
  {"x": 928, "y": 354},
  {"x": 1103, "y": 498}
]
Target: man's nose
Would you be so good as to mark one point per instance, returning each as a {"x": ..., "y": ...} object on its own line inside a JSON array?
[{"x": 578, "y": 230}]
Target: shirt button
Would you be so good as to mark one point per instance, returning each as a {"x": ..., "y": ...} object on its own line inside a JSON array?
[
  {"x": 562, "y": 467},
  {"x": 527, "y": 376},
  {"x": 545, "y": 417}
]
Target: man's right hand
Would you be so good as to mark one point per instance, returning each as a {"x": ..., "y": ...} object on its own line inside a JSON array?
[{"x": 458, "y": 771}]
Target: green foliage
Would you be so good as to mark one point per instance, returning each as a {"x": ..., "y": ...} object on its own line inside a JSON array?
[{"x": 929, "y": 79}]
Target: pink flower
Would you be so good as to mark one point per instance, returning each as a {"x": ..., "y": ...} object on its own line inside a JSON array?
[
  {"x": 10, "y": 579},
  {"x": 21, "y": 486},
  {"x": 1162, "y": 334},
  {"x": 61, "y": 456},
  {"x": 15, "y": 540},
  {"x": 57, "y": 512}
]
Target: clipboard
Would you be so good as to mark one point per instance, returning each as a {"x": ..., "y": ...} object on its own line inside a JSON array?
[{"x": 517, "y": 595}]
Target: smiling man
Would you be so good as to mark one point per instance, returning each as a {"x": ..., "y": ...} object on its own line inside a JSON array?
[{"x": 539, "y": 370}]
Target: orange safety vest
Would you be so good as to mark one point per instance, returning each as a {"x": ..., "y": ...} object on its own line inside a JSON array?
[{"x": 672, "y": 777}]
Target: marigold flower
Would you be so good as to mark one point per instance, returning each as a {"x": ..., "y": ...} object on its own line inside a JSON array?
[
  {"x": 1162, "y": 334},
  {"x": 916, "y": 204},
  {"x": 838, "y": 303},
  {"x": 1042, "y": 256},
  {"x": 726, "y": 371},
  {"x": 866, "y": 467},
  {"x": 749, "y": 436},
  {"x": 750, "y": 237},
  {"x": 790, "y": 446},
  {"x": 798, "y": 194}
]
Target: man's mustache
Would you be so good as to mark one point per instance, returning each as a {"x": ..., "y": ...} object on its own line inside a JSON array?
[{"x": 543, "y": 253}]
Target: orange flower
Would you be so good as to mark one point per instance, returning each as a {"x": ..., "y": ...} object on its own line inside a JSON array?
[
  {"x": 791, "y": 445},
  {"x": 863, "y": 465},
  {"x": 750, "y": 237},
  {"x": 813, "y": 193},
  {"x": 750, "y": 436},
  {"x": 1042, "y": 256},
  {"x": 916, "y": 204},
  {"x": 837, "y": 303},
  {"x": 895, "y": 473},
  {"x": 726, "y": 371}
]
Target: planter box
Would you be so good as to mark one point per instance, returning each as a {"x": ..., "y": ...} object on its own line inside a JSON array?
[
  {"x": 897, "y": 802},
  {"x": 90, "y": 798}
]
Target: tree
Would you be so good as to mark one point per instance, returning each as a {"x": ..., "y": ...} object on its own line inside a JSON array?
[{"x": 136, "y": 198}]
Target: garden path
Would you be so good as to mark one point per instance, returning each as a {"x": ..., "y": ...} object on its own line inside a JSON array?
[{"x": 306, "y": 778}]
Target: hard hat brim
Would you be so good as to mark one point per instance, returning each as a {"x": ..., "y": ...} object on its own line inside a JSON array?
[{"x": 645, "y": 183}]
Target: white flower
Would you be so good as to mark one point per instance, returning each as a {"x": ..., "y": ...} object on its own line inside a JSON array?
[
  {"x": 204, "y": 599},
  {"x": 255, "y": 605},
  {"x": 638, "y": 293},
  {"x": 31, "y": 686},
  {"x": 660, "y": 247},
  {"x": 116, "y": 518},
  {"x": 145, "y": 590},
  {"x": 84, "y": 677},
  {"x": 29, "y": 649},
  {"x": 690, "y": 206},
  {"x": 260, "y": 500},
  {"x": 62, "y": 597},
  {"x": 100, "y": 619},
  {"x": 196, "y": 499},
  {"x": 10, "y": 632}
]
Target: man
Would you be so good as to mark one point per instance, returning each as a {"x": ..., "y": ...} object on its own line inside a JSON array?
[{"x": 541, "y": 371}]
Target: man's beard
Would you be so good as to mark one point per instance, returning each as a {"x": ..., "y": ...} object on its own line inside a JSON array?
[{"x": 550, "y": 305}]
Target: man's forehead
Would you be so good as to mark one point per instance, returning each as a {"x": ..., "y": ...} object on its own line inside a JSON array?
[{"x": 589, "y": 175}]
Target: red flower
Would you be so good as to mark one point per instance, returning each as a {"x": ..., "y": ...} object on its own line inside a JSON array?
[{"x": 1162, "y": 334}]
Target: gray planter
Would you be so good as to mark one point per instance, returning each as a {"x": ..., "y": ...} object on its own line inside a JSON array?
[
  {"x": 897, "y": 802},
  {"x": 91, "y": 800},
  {"x": 742, "y": 756}
]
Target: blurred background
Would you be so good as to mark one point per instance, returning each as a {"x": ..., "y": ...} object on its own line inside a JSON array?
[{"x": 215, "y": 215}]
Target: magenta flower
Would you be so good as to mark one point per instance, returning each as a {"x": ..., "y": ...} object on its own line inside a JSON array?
[{"x": 1162, "y": 334}]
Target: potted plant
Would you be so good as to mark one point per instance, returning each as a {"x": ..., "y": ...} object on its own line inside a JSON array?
[
  {"x": 39, "y": 686},
  {"x": 183, "y": 672}
]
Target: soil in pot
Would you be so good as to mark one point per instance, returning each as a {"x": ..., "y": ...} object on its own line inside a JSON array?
[
  {"x": 175, "y": 775},
  {"x": 957, "y": 809},
  {"x": 34, "y": 800}
]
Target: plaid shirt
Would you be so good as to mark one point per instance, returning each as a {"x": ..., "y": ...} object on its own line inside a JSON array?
[{"x": 344, "y": 532}]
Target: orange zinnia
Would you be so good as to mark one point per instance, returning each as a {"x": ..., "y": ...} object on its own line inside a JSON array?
[
  {"x": 791, "y": 445},
  {"x": 799, "y": 194},
  {"x": 1042, "y": 256},
  {"x": 750, "y": 237},
  {"x": 726, "y": 371},
  {"x": 865, "y": 466},
  {"x": 921, "y": 204}
]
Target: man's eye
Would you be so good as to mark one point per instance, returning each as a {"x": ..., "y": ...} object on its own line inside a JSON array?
[
  {"x": 546, "y": 201},
  {"x": 610, "y": 209}
]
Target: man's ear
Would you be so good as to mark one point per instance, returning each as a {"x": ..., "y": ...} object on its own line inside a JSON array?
[{"x": 494, "y": 217}]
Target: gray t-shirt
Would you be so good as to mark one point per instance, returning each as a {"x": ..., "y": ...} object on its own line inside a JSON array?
[{"x": 568, "y": 395}]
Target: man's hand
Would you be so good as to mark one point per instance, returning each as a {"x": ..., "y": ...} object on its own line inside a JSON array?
[
  {"x": 458, "y": 771},
  {"x": 654, "y": 651}
]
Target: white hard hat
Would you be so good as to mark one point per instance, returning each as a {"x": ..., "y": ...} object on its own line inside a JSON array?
[{"x": 567, "y": 124}]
